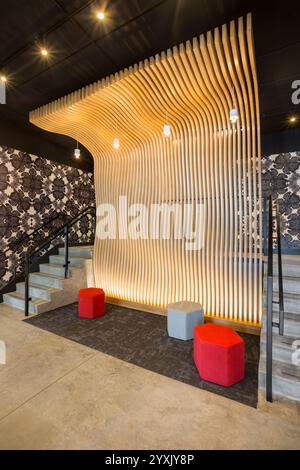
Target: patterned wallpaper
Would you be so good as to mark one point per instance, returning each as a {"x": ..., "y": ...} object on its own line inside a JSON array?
[
  {"x": 281, "y": 176},
  {"x": 32, "y": 191}
]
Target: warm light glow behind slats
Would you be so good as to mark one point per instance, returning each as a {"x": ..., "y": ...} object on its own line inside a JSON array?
[{"x": 207, "y": 158}]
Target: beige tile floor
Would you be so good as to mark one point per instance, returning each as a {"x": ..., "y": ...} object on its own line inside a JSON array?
[{"x": 56, "y": 394}]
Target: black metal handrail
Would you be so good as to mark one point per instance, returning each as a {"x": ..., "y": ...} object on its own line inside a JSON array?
[
  {"x": 270, "y": 301},
  {"x": 62, "y": 231},
  {"x": 28, "y": 236}
]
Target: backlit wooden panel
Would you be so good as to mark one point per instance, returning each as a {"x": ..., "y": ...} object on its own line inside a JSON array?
[{"x": 207, "y": 159}]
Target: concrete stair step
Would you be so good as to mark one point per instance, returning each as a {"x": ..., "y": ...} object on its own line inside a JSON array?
[
  {"x": 290, "y": 265},
  {"x": 35, "y": 290},
  {"x": 60, "y": 261},
  {"x": 291, "y": 324},
  {"x": 85, "y": 252},
  {"x": 53, "y": 269},
  {"x": 291, "y": 285},
  {"x": 17, "y": 300},
  {"x": 57, "y": 270},
  {"x": 291, "y": 302},
  {"x": 286, "y": 379},
  {"x": 282, "y": 347},
  {"x": 47, "y": 280}
]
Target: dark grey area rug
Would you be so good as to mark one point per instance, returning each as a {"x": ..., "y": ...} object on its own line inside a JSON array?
[{"x": 141, "y": 338}]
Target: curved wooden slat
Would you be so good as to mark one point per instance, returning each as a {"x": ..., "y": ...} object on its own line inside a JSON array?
[{"x": 207, "y": 160}]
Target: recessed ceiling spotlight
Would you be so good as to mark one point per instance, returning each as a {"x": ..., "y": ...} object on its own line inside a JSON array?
[
  {"x": 3, "y": 79},
  {"x": 293, "y": 119},
  {"x": 100, "y": 15},
  {"x": 44, "y": 52}
]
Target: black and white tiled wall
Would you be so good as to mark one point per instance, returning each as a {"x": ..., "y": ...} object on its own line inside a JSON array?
[
  {"x": 281, "y": 178},
  {"x": 32, "y": 191}
]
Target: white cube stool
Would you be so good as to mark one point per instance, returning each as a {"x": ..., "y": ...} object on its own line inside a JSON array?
[{"x": 183, "y": 317}]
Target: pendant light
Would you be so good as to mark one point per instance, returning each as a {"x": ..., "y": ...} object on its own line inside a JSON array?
[
  {"x": 77, "y": 152},
  {"x": 167, "y": 128},
  {"x": 116, "y": 141},
  {"x": 234, "y": 115}
]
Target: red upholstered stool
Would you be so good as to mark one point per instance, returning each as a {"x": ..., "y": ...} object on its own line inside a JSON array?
[
  {"x": 219, "y": 354},
  {"x": 91, "y": 303}
]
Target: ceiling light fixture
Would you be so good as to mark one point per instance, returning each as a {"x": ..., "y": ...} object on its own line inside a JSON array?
[
  {"x": 293, "y": 119},
  {"x": 77, "y": 152},
  {"x": 167, "y": 130},
  {"x": 116, "y": 143},
  {"x": 44, "y": 52},
  {"x": 3, "y": 79},
  {"x": 234, "y": 115},
  {"x": 100, "y": 15}
]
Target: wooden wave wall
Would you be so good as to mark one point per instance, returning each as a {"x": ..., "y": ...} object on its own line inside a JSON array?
[{"x": 207, "y": 158}]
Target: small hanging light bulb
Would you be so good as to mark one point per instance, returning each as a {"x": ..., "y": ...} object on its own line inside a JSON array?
[
  {"x": 234, "y": 115},
  {"x": 77, "y": 152},
  {"x": 116, "y": 143},
  {"x": 167, "y": 130}
]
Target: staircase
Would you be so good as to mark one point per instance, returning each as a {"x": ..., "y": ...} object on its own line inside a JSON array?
[
  {"x": 48, "y": 288},
  {"x": 286, "y": 375}
]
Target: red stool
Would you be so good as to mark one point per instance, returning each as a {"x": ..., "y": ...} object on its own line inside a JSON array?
[
  {"x": 219, "y": 354},
  {"x": 91, "y": 303}
]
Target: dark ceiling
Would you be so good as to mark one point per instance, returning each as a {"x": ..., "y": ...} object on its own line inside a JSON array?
[{"x": 84, "y": 50}]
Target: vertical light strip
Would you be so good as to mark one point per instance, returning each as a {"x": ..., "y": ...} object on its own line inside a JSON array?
[{"x": 207, "y": 159}]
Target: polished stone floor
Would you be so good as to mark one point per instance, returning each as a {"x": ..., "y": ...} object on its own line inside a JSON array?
[
  {"x": 142, "y": 339},
  {"x": 58, "y": 394}
]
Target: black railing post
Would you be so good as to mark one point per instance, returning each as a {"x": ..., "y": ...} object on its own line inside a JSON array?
[
  {"x": 66, "y": 265},
  {"x": 280, "y": 279},
  {"x": 27, "y": 273},
  {"x": 269, "y": 352},
  {"x": 94, "y": 215},
  {"x": 265, "y": 226}
]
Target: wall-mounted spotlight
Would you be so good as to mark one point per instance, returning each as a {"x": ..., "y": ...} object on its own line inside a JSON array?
[
  {"x": 3, "y": 79},
  {"x": 167, "y": 130},
  {"x": 234, "y": 115}
]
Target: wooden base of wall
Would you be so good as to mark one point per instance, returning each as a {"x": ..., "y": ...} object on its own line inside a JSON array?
[{"x": 250, "y": 328}]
